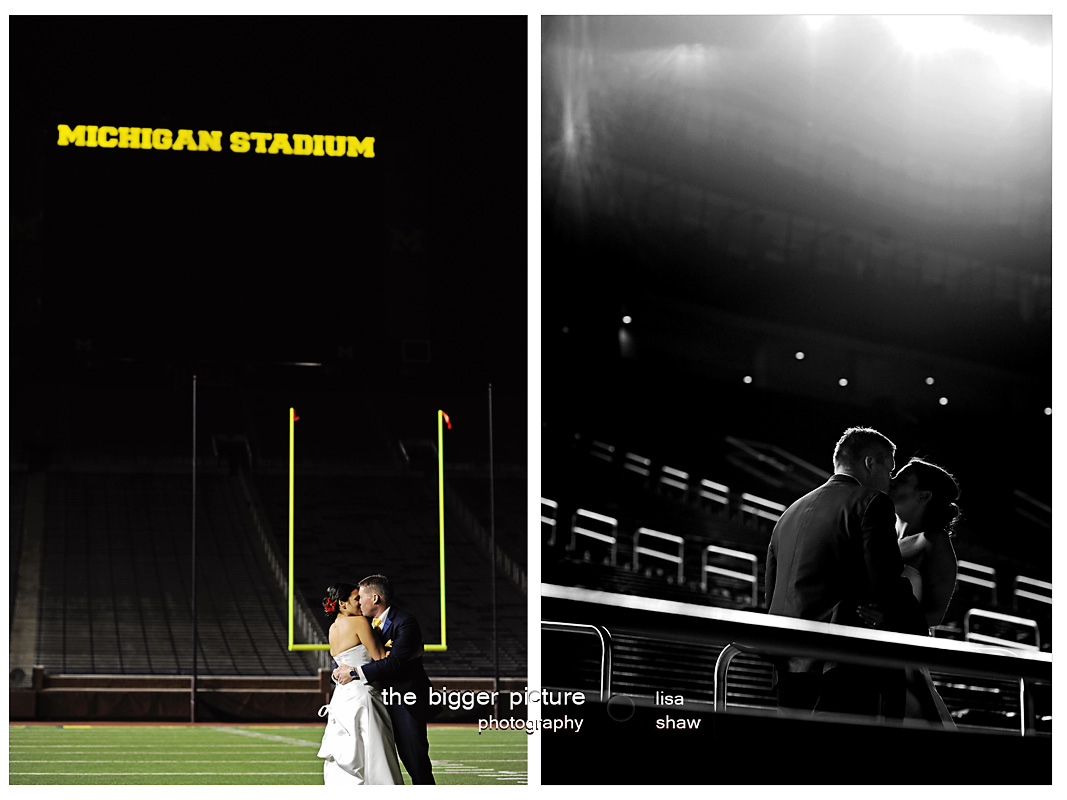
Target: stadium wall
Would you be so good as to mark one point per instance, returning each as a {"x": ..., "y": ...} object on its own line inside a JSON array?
[{"x": 126, "y": 698}]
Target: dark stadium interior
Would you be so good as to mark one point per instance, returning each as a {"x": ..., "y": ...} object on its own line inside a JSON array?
[
  {"x": 756, "y": 235},
  {"x": 365, "y": 293}
]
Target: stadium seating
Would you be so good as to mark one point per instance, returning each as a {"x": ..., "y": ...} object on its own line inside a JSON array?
[
  {"x": 16, "y": 507},
  {"x": 678, "y": 535},
  {"x": 116, "y": 573},
  {"x": 352, "y": 525},
  {"x": 116, "y": 580}
]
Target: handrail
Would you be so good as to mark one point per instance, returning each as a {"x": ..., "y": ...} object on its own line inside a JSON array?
[
  {"x": 771, "y": 635},
  {"x": 722, "y": 666},
  {"x": 1022, "y": 622},
  {"x": 751, "y": 578},
  {"x": 678, "y": 541},
  {"x": 987, "y": 583},
  {"x": 309, "y": 631},
  {"x": 606, "y": 650},
  {"x": 550, "y": 521},
  {"x": 603, "y": 537},
  {"x": 1024, "y": 581}
]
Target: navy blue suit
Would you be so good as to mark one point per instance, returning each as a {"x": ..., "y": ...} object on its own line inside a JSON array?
[{"x": 402, "y": 671}]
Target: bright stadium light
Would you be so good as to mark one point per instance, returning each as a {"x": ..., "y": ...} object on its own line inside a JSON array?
[
  {"x": 843, "y": 382},
  {"x": 929, "y": 34},
  {"x": 816, "y": 22},
  {"x": 934, "y": 34},
  {"x": 943, "y": 401}
]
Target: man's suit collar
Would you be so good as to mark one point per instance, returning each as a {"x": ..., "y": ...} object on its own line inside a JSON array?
[
  {"x": 842, "y": 477},
  {"x": 384, "y": 617}
]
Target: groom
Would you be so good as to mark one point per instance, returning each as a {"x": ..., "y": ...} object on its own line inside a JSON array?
[
  {"x": 832, "y": 551},
  {"x": 402, "y": 671}
]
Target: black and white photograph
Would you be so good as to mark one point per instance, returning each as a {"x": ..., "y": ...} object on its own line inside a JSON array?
[
  {"x": 267, "y": 399},
  {"x": 796, "y": 479}
]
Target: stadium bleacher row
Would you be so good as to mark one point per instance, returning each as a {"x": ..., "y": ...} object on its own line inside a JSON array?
[
  {"x": 623, "y": 522},
  {"x": 354, "y": 525},
  {"x": 116, "y": 580},
  {"x": 116, "y": 572}
]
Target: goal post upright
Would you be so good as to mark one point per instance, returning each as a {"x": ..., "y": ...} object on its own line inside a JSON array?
[
  {"x": 443, "y": 645},
  {"x": 292, "y": 549},
  {"x": 441, "y": 418}
]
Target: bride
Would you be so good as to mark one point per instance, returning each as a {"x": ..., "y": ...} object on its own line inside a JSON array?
[
  {"x": 357, "y": 744},
  {"x": 925, "y": 497}
]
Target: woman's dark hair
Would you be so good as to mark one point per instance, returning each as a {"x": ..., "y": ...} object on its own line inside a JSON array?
[
  {"x": 334, "y": 595},
  {"x": 942, "y": 513}
]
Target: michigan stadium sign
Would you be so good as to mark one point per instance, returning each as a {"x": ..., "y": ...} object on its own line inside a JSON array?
[{"x": 302, "y": 144}]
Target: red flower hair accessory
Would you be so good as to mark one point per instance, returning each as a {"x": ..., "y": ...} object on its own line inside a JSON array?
[{"x": 329, "y": 605}]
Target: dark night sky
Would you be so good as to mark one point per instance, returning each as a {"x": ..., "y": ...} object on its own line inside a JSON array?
[{"x": 187, "y": 255}]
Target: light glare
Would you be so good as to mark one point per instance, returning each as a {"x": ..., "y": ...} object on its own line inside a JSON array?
[
  {"x": 932, "y": 35},
  {"x": 816, "y": 22}
]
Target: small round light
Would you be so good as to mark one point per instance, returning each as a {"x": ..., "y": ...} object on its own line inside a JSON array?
[
  {"x": 843, "y": 382},
  {"x": 943, "y": 401},
  {"x": 800, "y": 355},
  {"x": 929, "y": 381},
  {"x": 747, "y": 379},
  {"x": 626, "y": 320},
  {"x": 1048, "y": 412},
  {"x": 566, "y": 329}
]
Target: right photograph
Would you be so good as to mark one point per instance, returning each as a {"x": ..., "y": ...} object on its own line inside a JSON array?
[{"x": 796, "y": 399}]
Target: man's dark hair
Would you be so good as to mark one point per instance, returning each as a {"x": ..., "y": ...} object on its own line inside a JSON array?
[
  {"x": 379, "y": 584},
  {"x": 856, "y": 444}
]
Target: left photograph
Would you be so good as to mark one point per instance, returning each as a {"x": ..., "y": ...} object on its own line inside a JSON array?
[{"x": 267, "y": 456}]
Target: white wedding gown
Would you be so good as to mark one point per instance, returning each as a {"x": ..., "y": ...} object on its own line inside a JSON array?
[{"x": 357, "y": 744}]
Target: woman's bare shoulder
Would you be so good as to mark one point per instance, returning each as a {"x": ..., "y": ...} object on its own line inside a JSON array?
[{"x": 941, "y": 549}]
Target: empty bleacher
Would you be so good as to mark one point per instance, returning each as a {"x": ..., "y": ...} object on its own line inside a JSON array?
[
  {"x": 116, "y": 580},
  {"x": 348, "y": 526},
  {"x": 16, "y": 509}
]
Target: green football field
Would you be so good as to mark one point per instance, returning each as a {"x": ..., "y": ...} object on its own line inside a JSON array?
[{"x": 224, "y": 754}]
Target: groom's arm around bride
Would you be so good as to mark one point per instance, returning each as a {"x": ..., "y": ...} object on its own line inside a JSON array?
[{"x": 403, "y": 672}]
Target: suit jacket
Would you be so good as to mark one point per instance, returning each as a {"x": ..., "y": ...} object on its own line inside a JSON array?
[
  {"x": 833, "y": 549},
  {"x": 403, "y": 669}
]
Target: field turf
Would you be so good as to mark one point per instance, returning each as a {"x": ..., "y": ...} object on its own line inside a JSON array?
[{"x": 247, "y": 754}]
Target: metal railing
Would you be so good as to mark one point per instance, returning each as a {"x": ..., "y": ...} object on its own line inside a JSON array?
[
  {"x": 1031, "y": 583},
  {"x": 751, "y": 576},
  {"x": 986, "y": 577},
  {"x": 307, "y": 629},
  {"x": 611, "y": 539},
  {"x": 769, "y": 635},
  {"x": 606, "y": 652},
  {"x": 677, "y": 541},
  {"x": 1028, "y": 625}
]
